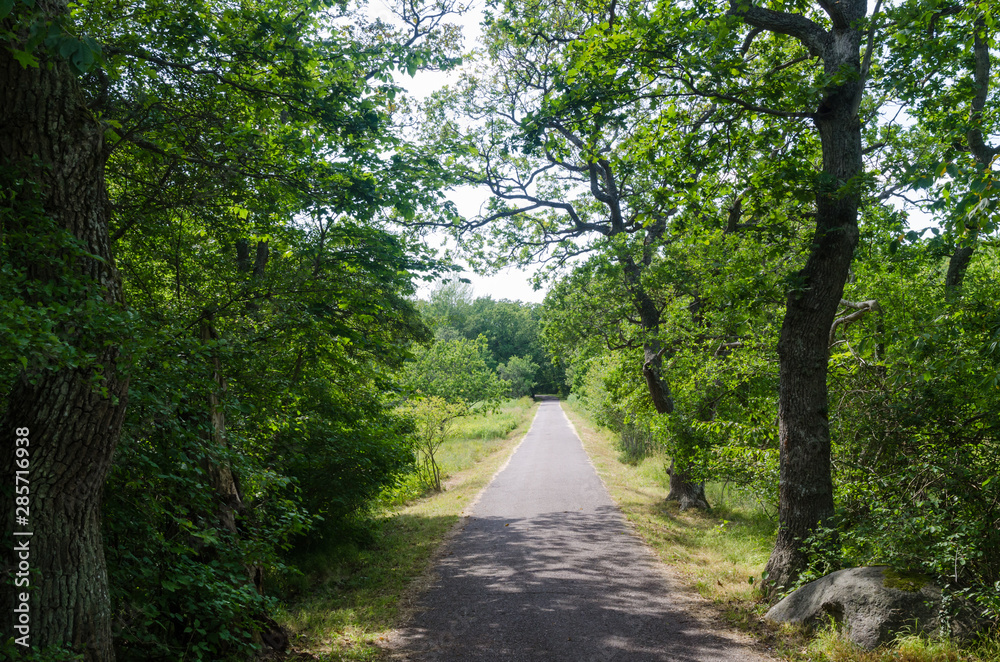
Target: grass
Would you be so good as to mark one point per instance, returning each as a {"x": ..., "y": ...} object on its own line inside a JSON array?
[
  {"x": 717, "y": 553},
  {"x": 476, "y": 437},
  {"x": 831, "y": 646},
  {"x": 351, "y": 596}
]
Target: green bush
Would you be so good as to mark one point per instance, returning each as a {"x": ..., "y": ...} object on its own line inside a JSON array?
[
  {"x": 520, "y": 371},
  {"x": 180, "y": 584},
  {"x": 11, "y": 651},
  {"x": 341, "y": 458},
  {"x": 180, "y": 587},
  {"x": 917, "y": 430}
]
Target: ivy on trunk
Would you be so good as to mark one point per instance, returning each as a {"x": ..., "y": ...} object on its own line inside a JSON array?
[{"x": 73, "y": 409}]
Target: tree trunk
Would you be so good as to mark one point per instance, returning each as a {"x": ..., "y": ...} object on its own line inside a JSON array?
[
  {"x": 957, "y": 266},
  {"x": 687, "y": 493},
  {"x": 219, "y": 472},
  {"x": 806, "y": 487},
  {"x": 981, "y": 151},
  {"x": 73, "y": 423}
]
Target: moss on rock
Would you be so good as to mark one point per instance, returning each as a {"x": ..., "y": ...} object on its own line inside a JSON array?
[{"x": 911, "y": 582}]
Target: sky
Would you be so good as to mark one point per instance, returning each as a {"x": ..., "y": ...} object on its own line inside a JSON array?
[{"x": 513, "y": 284}]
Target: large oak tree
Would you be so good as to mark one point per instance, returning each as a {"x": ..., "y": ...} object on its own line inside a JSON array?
[
  {"x": 271, "y": 110},
  {"x": 52, "y": 150}
]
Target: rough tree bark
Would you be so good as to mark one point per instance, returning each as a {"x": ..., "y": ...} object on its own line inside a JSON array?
[
  {"x": 806, "y": 487},
  {"x": 47, "y": 133},
  {"x": 981, "y": 151},
  {"x": 688, "y": 493}
]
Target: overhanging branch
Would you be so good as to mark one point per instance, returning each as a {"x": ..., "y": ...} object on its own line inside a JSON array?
[
  {"x": 861, "y": 309},
  {"x": 808, "y": 32}
]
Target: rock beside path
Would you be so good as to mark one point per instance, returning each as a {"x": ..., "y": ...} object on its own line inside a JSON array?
[{"x": 872, "y": 604}]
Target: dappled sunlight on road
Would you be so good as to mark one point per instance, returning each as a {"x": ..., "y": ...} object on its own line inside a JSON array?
[{"x": 547, "y": 569}]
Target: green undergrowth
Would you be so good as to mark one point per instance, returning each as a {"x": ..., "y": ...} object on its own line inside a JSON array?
[
  {"x": 717, "y": 552},
  {"x": 352, "y": 594},
  {"x": 722, "y": 553},
  {"x": 831, "y": 646}
]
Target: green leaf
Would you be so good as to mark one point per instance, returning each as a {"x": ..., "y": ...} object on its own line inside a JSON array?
[
  {"x": 82, "y": 59},
  {"x": 25, "y": 58},
  {"x": 67, "y": 46}
]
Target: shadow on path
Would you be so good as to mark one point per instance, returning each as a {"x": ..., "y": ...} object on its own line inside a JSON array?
[{"x": 547, "y": 569}]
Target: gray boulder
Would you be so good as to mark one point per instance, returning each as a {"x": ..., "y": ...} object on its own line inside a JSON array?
[{"x": 871, "y": 604}]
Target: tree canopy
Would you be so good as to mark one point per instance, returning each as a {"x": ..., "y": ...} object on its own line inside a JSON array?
[{"x": 768, "y": 230}]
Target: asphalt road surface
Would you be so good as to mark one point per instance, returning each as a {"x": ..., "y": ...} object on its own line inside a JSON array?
[{"x": 546, "y": 568}]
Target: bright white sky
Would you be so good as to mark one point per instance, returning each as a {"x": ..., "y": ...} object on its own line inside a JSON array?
[{"x": 512, "y": 284}]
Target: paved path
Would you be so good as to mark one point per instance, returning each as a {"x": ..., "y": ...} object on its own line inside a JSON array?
[{"x": 547, "y": 569}]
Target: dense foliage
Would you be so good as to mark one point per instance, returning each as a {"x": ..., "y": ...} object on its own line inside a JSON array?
[
  {"x": 680, "y": 169},
  {"x": 263, "y": 193},
  {"x": 268, "y": 308},
  {"x": 511, "y": 329}
]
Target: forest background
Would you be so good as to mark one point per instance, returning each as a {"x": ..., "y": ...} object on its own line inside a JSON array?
[{"x": 215, "y": 217}]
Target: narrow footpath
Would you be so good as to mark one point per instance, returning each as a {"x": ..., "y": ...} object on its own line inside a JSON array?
[{"x": 546, "y": 568}]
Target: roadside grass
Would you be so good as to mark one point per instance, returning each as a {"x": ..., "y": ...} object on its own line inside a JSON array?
[
  {"x": 479, "y": 436},
  {"x": 717, "y": 553},
  {"x": 350, "y": 596},
  {"x": 830, "y": 646}
]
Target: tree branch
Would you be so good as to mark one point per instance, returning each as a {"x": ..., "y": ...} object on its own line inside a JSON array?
[
  {"x": 749, "y": 40},
  {"x": 157, "y": 190},
  {"x": 862, "y": 308},
  {"x": 725, "y": 347},
  {"x": 981, "y": 75},
  {"x": 808, "y": 32},
  {"x": 836, "y": 11},
  {"x": 867, "y": 62},
  {"x": 713, "y": 94}
]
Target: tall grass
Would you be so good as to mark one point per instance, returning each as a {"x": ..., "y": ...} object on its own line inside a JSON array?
[
  {"x": 471, "y": 439},
  {"x": 832, "y": 646},
  {"x": 475, "y": 437}
]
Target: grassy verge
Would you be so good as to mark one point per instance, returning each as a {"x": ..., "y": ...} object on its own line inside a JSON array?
[
  {"x": 718, "y": 552},
  {"x": 828, "y": 646},
  {"x": 349, "y": 597}
]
